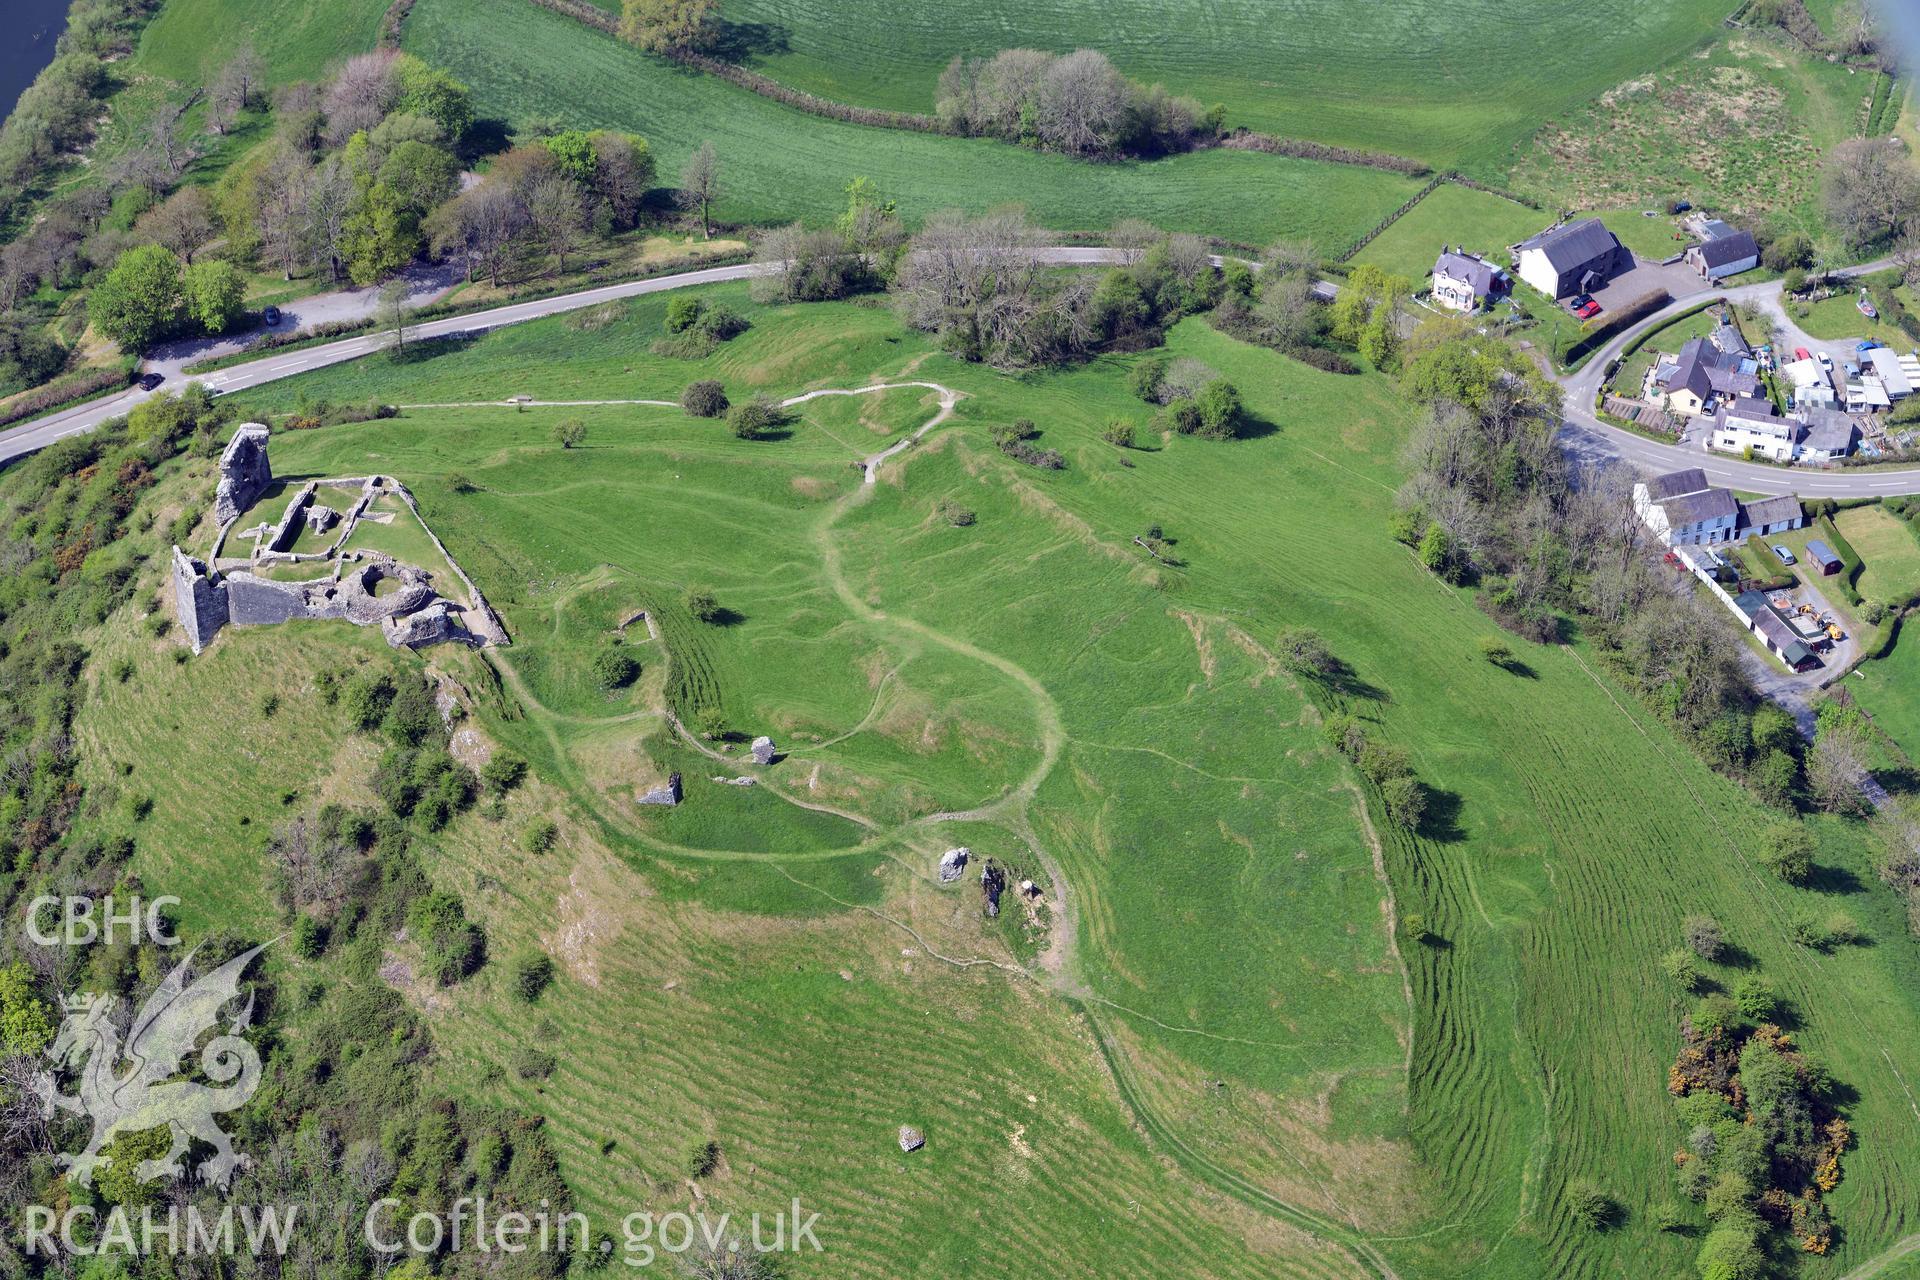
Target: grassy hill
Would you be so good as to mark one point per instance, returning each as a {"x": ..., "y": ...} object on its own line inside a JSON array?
[
  {"x": 525, "y": 62},
  {"x": 1120, "y": 731}
]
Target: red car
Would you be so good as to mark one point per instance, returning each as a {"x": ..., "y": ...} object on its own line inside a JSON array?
[
  {"x": 1589, "y": 311},
  {"x": 1801, "y": 353}
]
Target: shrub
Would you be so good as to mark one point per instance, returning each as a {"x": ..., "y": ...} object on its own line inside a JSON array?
[
  {"x": 1414, "y": 925},
  {"x": 1703, "y": 934},
  {"x": 1683, "y": 968},
  {"x": 451, "y": 945},
  {"x": 1590, "y": 1207},
  {"x": 1119, "y": 433},
  {"x": 702, "y": 605},
  {"x": 1304, "y": 652},
  {"x": 540, "y": 837},
  {"x": 532, "y": 975},
  {"x": 1406, "y": 800},
  {"x": 1668, "y": 1215},
  {"x": 682, "y": 312},
  {"x": 704, "y": 399},
  {"x": 614, "y": 669},
  {"x": 502, "y": 772},
  {"x": 1756, "y": 999},
  {"x": 570, "y": 432},
  {"x": 532, "y": 1064},
  {"x": 1496, "y": 650},
  {"x": 955, "y": 514},
  {"x": 1787, "y": 851},
  {"x": 704, "y": 1159},
  {"x": 756, "y": 417},
  {"x": 722, "y": 323},
  {"x": 1146, "y": 378},
  {"x": 309, "y": 937}
]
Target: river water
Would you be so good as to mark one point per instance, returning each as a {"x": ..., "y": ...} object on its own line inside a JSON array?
[{"x": 28, "y": 29}]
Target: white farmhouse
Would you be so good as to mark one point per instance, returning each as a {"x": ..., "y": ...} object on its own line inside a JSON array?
[
  {"x": 1579, "y": 257},
  {"x": 1747, "y": 423},
  {"x": 1465, "y": 281}
]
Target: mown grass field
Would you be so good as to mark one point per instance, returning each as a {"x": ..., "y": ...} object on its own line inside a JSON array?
[
  {"x": 1457, "y": 216},
  {"x": 1126, "y": 720},
  {"x": 1452, "y": 84},
  {"x": 189, "y": 40},
  {"x": 778, "y": 164},
  {"x": 1888, "y": 553}
]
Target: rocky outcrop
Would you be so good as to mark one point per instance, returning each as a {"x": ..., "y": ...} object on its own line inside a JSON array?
[
  {"x": 762, "y": 749},
  {"x": 668, "y": 793},
  {"x": 200, "y": 601},
  {"x": 244, "y": 472},
  {"x": 954, "y": 864},
  {"x": 911, "y": 1139},
  {"x": 993, "y": 882}
]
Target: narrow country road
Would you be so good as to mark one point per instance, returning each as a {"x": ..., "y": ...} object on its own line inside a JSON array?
[{"x": 1583, "y": 432}]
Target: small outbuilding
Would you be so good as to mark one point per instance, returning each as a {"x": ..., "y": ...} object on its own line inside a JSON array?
[{"x": 1821, "y": 554}]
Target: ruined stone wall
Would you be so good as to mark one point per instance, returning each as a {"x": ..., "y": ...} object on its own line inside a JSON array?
[
  {"x": 200, "y": 601},
  {"x": 244, "y": 472}
]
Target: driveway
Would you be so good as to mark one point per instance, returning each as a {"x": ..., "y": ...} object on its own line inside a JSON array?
[{"x": 1647, "y": 278}]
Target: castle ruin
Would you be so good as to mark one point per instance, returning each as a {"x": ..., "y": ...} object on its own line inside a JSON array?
[{"x": 363, "y": 587}]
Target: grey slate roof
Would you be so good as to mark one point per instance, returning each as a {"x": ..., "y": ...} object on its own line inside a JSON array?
[
  {"x": 1574, "y": 244},
  {"x": 1468, "y": 269},
  {"x": 1705, "y": 370},
  {"x": 1675, "y": 483},
  {"x": 1729, "y": 248},
  {"x": 1829, "y": 430},
  {"x": 1753, "y": 410},
  {"x": 1707, "y": 504},
  {"x": 1728, "y": 338},
  {"x": 1771, "y": 510}
]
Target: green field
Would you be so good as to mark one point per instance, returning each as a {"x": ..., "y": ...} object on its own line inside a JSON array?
[
  {"x": 188, "y": 40},
  {"x": 1457, "y": 216},
  {"x": 1451, "y": 84},
  {"x": 1888, "y": 553},
  {"x": 1740, "y": 129},
  {"x": 778, "y": 164},
  {"x": 1155, "y": 771}
]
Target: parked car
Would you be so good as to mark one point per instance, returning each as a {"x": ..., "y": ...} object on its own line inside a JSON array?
[
  {"x": 1801, "y": 353},
  {"x": 1826, "y": 362},
  {"x": 1580, "y": 300},
  {"x": 1866, "y": 346},
  {"x": 149, "y": 381},
  {"x": 1589, "y": 311},
  {"x": 1786, "y": 556},
  {"x": 271, "y": 315}
]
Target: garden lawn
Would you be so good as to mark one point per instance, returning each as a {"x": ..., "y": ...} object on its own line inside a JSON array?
[
  {"x": 1838, "y": 319},
  {"x": 1888, "y": 553}
]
